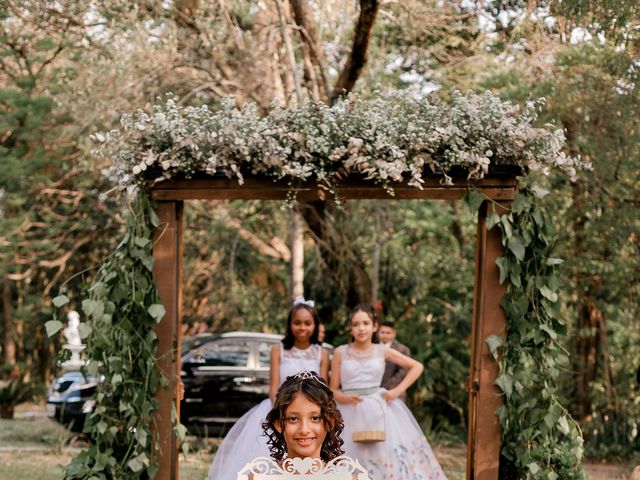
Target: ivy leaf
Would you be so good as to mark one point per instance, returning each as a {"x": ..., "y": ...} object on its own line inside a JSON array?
[
  {"x": 84, "y": 329},
  {"x": 60, "y": 300},
  {"x": 180, "y": 431},
  {"x": 503, "y": 266},
  {"x": 552, "y": 416},
  {"x": 552, "y": 333},
  {"x": 552, "y": 476},
  {"x": 53, "y": 327},
  {"x": 539, "y": 192},
  {"x": 89, "y": 306},
  {"x": 563, "y": 425},
  {"x": 517, "y": 247},
  {"x": 520, "y": 204},
  {"x": 142, "y": 436},
  {"x": 553, "y": 261},
  {"x": 92, "y": 369},
  {"x": 147, "y": 261},
  {"x": 494, "y": 342},
  {"x": 533, "y": 468},
  {"x": 505, "y": 382},
  {"x": 141, "y": 241},
  {"x": 473, "y": 200},
  {"x": 492, "y": 220},
  {"x": 548, "y": 293},
  {"x": 135, "y": 465},
  {"x": 102, "y": 426},
  {"x": 157, "y": 311},
  {"x": 506, "y": 225},
  {"x": 153, "y": 218}
]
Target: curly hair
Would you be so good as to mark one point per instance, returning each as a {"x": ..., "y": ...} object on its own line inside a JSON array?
[{"x": 315, "y": 390}]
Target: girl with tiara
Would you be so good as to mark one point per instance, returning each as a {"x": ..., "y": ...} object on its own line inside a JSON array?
[
  {"x": 380, "y": 431},
  {"x": 299, "y": 350},
  {"x": 305, "y": 421},
  {"x": 303, "y": 430}
]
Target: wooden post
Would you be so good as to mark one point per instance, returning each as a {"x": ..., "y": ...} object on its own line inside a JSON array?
[
  {"x": 483, "y": 452},
  {"x": 167, "y": 272}
]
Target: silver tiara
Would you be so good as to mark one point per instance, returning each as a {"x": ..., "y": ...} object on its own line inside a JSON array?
[
  {"x": 305, "y": 375},
  {"x": 299, "y": 300},
  {"x": 309, "y": 375}
]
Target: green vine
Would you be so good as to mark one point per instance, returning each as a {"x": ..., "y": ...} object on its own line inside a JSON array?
[
  {"x": 122, "y": 310},
  {"x": 540, "y": 440}
]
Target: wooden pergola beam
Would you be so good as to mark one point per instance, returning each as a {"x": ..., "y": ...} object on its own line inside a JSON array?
[
  {"x": 484, "y": 397},
  {"x": 167, "y": 273},
  {"x": 488, "y": 318},
  {"x": 496, "y": 188}
]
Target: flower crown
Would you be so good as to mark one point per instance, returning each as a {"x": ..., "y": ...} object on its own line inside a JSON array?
[{"x": 299, "y": 300}]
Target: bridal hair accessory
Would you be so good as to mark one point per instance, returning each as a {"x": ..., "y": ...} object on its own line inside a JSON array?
[
  {"x": 306, "y": 375},
  {"x": 299, "y": 300},
  {"x": 309, "y": 375}
]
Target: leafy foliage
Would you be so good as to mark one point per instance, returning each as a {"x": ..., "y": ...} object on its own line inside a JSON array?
[
  {"x": 539, "y": 437},
  {"x": 16, "y": 390},
  {"x": 122, "y": 309}
]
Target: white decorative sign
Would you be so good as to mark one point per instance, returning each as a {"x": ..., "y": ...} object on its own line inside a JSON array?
[{"x": 340, "y": 468}]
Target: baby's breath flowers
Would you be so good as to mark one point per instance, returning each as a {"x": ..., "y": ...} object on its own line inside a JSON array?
[{"x": 385, "y": 139}]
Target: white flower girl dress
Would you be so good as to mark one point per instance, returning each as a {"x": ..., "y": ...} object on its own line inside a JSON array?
[
  {"x": 404, "y": 453},
  {"x": 246, "y": 439}
]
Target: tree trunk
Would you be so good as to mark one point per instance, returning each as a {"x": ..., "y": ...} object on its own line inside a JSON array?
[
  {"x": 6, "y": 412},
  {"x": 297, "y": 254},
  {"x": 341, "y": 257},
  {"x": 8, "y": 344},
  {"x": 586, "y": 360}
]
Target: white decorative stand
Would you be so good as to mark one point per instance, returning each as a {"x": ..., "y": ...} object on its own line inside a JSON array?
[
  {"x": 340, "y": 468},
  {"x": 74, "y": 342}
]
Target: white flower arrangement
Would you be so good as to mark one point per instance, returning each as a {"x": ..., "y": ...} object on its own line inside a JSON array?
[{"x": 384, "y": 139}]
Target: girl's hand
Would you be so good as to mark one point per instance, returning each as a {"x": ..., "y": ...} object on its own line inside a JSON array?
[
  {"x": 353, "y": 399},
  {"x": 392, "y": 394}
]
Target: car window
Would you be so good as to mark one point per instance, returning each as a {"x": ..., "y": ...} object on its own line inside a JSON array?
[
  {"x": 225, "y": 354},
  {"x": 264, "y": 354}
]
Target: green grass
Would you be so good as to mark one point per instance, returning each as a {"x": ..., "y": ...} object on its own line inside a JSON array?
[
  {"x": 29, "y": 465},
  {"x": 39, "y": 448},
  {"x": 40, "y": 432}
]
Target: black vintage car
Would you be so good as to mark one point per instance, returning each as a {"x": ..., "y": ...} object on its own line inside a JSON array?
[{"x": 224, "y": 376}]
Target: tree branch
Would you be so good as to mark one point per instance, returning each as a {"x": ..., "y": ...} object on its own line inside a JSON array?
[
  {"x": 304, "y": 19},
  {"x": 358, "y": 56},
  {"x": 291, "y": 58}
]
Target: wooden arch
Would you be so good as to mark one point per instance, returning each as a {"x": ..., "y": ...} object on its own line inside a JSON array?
[{"x": 483, "y": 451}]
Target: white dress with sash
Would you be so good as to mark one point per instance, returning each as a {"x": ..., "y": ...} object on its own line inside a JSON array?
[{"x": 404, "y": 454}]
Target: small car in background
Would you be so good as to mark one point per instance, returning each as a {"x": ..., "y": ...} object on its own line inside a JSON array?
[{"x": 70, "y": 399}]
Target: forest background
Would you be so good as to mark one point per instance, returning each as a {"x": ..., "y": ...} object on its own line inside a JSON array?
[{"x": 68, "y": 70}]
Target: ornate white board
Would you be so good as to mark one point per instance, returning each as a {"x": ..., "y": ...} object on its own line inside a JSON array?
[{"x": 340, "y": 468}]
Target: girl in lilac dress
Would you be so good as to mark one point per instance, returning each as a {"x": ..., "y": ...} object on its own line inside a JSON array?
[{"x": 379, "y": 430}]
